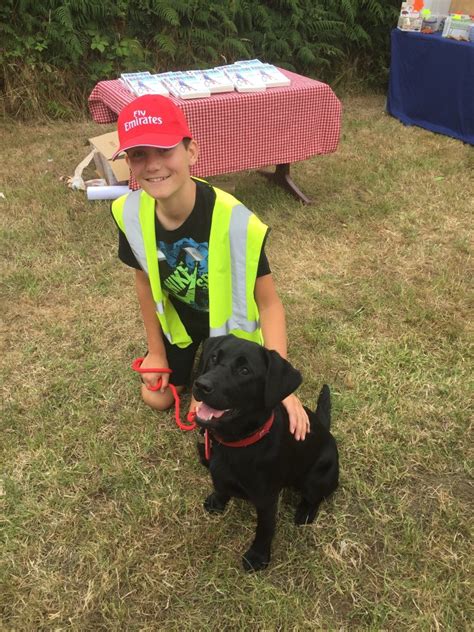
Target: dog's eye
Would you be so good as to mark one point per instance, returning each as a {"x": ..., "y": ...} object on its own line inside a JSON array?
[
  {"x": 244, "y": 370},
  {"x": 213, "y": 358}
]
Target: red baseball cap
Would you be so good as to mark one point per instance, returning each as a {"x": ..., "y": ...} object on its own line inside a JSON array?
[{"x": 151, "y": 121}]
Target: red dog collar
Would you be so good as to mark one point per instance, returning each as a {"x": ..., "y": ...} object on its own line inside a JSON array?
[{"x": 241, "y": 443}]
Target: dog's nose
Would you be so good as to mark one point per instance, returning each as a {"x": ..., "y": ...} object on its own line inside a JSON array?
[{"x": 204, "y": 386}]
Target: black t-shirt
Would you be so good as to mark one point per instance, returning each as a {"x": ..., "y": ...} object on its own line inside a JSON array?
[{"x": 183, "y": 261}]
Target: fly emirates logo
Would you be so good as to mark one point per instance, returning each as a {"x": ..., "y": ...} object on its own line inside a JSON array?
[{"x": 141, "y": 118}]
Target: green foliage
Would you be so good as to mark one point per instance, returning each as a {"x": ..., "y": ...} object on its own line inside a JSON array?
[{"x": 54, "y": 41}]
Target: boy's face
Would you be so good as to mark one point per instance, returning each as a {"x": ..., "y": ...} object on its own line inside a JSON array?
[{"x": 163, "y": 173}]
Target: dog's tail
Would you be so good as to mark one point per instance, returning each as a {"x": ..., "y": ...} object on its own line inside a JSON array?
[{"x": 323, "y": 408}]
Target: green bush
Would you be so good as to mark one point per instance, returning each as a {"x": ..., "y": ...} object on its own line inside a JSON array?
[{"x": 55, "y": 50}]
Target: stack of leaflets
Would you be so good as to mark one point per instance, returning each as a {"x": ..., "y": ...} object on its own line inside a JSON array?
[
  {"x": 141, "y": 83},
  {"x": 244, "y": 78},
  {"x": 215, "y": 80},
  {"x": 185, "y": 85},
  {"x": 269, "y": 73}
]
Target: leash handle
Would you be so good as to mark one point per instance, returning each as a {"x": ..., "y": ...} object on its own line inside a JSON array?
[
  {"x": 190, "y": 418},
  {"x": 137, "y": 366}
]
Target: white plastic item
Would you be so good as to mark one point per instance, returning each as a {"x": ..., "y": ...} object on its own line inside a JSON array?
[
  {"x": 76, "y": 182},
  {"x": 437, "y": 7},
  {"x": 106, "y": 193}
]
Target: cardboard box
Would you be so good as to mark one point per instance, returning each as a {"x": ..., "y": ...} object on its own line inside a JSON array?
[
  {"x": 113, "y": 172},
  {"x": 463, "y": 7}
]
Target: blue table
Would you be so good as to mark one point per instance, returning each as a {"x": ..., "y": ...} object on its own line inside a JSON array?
[{"x": 432, "y": 83}]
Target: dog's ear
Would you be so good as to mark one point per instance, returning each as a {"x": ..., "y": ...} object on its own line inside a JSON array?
[{"x": 281, "y": 379}]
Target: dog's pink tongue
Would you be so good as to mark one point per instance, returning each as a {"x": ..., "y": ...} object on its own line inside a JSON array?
[{"x": 205, "y": 412}]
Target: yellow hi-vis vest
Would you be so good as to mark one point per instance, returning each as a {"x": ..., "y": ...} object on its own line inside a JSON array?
[{"x": 235, "y": 244}]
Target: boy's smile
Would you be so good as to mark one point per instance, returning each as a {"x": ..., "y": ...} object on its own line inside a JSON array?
[
  {"x": 164, "y": 172},
  {"x": 157, "y": 179}
]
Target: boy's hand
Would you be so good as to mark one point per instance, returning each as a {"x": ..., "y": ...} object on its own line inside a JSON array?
[
  {"x": 192, "y": 405},
  {"x": 299, "y": 421},
  {"x": 155, "y": 361}
]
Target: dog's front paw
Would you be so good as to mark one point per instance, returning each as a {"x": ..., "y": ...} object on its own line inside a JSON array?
[
  {"x": 214, "y": 503},
  {"x": 255, "y": 561}
]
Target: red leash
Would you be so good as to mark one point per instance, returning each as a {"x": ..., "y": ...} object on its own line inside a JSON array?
[{"x": 137, "y": 366}]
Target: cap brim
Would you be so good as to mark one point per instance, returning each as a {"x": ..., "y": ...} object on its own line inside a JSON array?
[{"x": 162, "y": 142}]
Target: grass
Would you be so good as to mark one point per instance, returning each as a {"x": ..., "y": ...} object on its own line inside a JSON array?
[{"x": 103, "y": 525}]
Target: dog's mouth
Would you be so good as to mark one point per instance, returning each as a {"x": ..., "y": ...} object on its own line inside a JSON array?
[{"x": 207, "y": 413}]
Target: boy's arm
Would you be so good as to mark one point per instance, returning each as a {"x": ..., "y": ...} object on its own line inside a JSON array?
[
  {"x": 156, "y": 357},
  {"x": 273, "y": 323},
  {"x": 272, "y": 315}
]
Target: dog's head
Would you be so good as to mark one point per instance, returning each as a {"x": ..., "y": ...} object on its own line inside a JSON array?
[{"x": 240, "y": 379}]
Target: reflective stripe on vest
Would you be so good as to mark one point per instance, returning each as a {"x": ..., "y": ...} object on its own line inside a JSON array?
[
  {"x": 238, "y": 234},
  {"x": 133, "y": 232}
]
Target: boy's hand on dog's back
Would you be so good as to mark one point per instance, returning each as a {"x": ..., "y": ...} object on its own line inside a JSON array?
[
  {"x": 155, "y": 361},
  {"x": 298, "y": 418}
]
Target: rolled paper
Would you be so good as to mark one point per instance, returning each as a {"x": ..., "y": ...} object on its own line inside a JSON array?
[{"x": 106, "y": 193}]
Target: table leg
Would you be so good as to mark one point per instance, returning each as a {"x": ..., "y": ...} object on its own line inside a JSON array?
[{"x": 281, "y": 176}]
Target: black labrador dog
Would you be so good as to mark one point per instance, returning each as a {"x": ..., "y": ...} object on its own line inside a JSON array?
[{"x": 249, "y": 449}]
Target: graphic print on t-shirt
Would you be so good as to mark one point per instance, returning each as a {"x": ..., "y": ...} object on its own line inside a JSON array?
[{"x": 184, "y": 271}]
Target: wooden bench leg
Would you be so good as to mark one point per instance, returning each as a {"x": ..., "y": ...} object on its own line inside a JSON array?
[{"x": 281, "y": 177}]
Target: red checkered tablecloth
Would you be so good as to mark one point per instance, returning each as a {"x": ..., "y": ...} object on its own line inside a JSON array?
[{"x": 238, "y": 131}]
